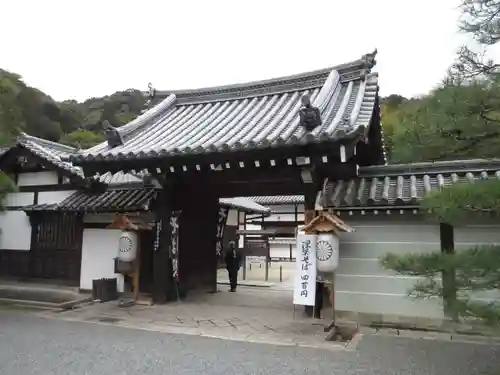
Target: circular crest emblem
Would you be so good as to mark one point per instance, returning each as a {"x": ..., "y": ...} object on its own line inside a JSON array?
[
  {"x": 125, "y": 244},
  {"x": 324, "y": 250}
]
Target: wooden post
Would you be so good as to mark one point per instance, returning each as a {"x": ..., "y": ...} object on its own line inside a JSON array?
[
  {"x": 137, "y": 272},
  {"x": 448, "y": 276}
]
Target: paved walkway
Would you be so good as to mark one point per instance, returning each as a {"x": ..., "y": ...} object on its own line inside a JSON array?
[
  {"x": 30, "y": 345},
  {"x": 250, "y": 314}
]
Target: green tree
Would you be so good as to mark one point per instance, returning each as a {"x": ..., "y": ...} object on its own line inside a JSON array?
[
  {"x": 455, "y": 276},
  {"x": 466, "y": 111},
  {"x": 389, "y": 108},
  {"x": 481, "y": 20},
  {"x": 6, "y": 186},
  {"x": 11, "y": 115},
  {"x": 455, "y": 121},
  {"x": 82, "y": 139}
]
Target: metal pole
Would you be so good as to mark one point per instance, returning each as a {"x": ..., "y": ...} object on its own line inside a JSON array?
[
  {"x": 281, "y": 273},
  {"x": 245, "y": 268}
]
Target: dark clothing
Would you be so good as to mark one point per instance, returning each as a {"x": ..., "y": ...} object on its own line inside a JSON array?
[
  {"x": 233, "y": 279},
  {"x": 233, "y": 264}
]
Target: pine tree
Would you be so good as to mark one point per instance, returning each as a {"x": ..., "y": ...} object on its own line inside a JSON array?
[{"x": 456, "y": 276}]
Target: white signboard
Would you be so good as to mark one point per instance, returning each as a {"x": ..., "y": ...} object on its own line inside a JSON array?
[{"x": 304, "y": 288}]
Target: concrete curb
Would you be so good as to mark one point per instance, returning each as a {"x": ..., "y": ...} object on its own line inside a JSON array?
[
  {"x": 22, "y": 302},
  {"x": 210, "y": 334},
  {"x": 46, "y": 305},
  {"x": 432, "y": 335}
]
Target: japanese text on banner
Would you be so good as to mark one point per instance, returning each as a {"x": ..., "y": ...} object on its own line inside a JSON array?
[{"x": 305, "y": 272}]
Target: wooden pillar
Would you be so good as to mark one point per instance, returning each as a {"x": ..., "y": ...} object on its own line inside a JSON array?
[
  {"x": 448, "y": 276},
  {"x": 198, "y": 260},
  {"x": 163, "y": 284}
]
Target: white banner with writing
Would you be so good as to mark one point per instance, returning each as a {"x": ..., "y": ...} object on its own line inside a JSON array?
[{"x": 304, "y": 288}]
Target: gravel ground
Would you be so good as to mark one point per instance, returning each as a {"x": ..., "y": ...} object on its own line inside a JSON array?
[{"x": 33, "y": 345}]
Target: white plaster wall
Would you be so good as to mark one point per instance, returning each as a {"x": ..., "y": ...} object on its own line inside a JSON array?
[
  {"x": 49, "y": 197},
  {"x": 37, "y": 178},
  {"x": 363, "y": 285},
  {"x": 99, "y": 248},
  {"x": 277, "y": 216},
  {"x": 232, "y": 218},
  {"x": 287, "y": 208},
  {"x": 242, "y": 216},
  {"x": 19, "y": 199},
  {"x": 280, "y": 248},
  {"x": 15, "y": 231}
]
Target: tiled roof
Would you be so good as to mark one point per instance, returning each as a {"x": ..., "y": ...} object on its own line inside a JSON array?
[
  {"x": 119, "y": 178},
  {"x": 52, "y": 152},
  {"x": 244, "y": 204},
  {"x": 404, "y": 184},
  {"x": 278, "y": 199},
  {"x": 128, "y": 200},
  {"x": 248, "y": 116},
  {"x": 112, "y": 200}
]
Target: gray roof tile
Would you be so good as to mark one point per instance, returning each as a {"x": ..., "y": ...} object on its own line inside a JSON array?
[
  {"x": 52, "y": 152},
  {"x": 128, "y": 200},
  {"x": 406, "y": 184},
  {"x": 244, "y": 204},
  {"x": 278, "y": 199},
  {"x": 248, "y": 116},
  {"x": 113, "y": 200}
]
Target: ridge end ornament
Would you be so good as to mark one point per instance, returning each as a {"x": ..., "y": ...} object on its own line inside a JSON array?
[
  {"x": 309, "y": 116},
  {"x": 112, "y": 134},
  {"x": 150, "y": 95}
]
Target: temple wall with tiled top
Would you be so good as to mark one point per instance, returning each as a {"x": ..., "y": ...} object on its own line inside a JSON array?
[{"x": 364, "y": 286}]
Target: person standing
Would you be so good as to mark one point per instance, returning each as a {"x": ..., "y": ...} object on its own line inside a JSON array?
[{"x": 233, "y": 264}]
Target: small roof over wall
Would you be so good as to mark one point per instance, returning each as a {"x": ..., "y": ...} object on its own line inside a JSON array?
[
  {"x": 326, "y": 222},
  {"x": 404, "y": 184},
  {"x": 251, "y": 116}
]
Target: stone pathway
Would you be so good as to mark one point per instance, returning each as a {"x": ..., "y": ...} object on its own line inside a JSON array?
[{"x": 251, "y": 315}]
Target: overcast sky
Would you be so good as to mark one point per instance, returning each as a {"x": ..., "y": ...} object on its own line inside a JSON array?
[{"x": 79, "y": 49}]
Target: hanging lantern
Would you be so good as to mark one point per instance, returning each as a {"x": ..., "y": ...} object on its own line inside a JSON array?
[
  {"x": 327, "y": 252},
  {"x": 127, "y": 246}
]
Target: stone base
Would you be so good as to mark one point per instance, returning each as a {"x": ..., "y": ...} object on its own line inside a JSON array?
[{"x": 390, "y": 321}]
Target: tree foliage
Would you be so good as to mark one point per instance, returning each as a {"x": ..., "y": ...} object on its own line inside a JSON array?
[
  {"x": 457, "y": 202},
  {"x": 6, "y": 186},
  {"x": 455, "y": 121},
  {"x": 460, "y": 119},
  {"x": 475, "y": 270},
  {"x": 481, "y": 20},
  {"x": 24, "y": 108}
]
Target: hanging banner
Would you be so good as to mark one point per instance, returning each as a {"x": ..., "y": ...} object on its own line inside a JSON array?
[
  {"x": 221, "y": 224},
  {"x": 174, "y": 243},
  {"x": 156, "y": 244},
  {"x": 304, "y": 288}
]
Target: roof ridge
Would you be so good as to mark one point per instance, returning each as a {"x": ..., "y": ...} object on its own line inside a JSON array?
[
  {"x": 310, "y": 79},
  {"x": 44, "y": 142},
  {"x": 437, "y": 167}
]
